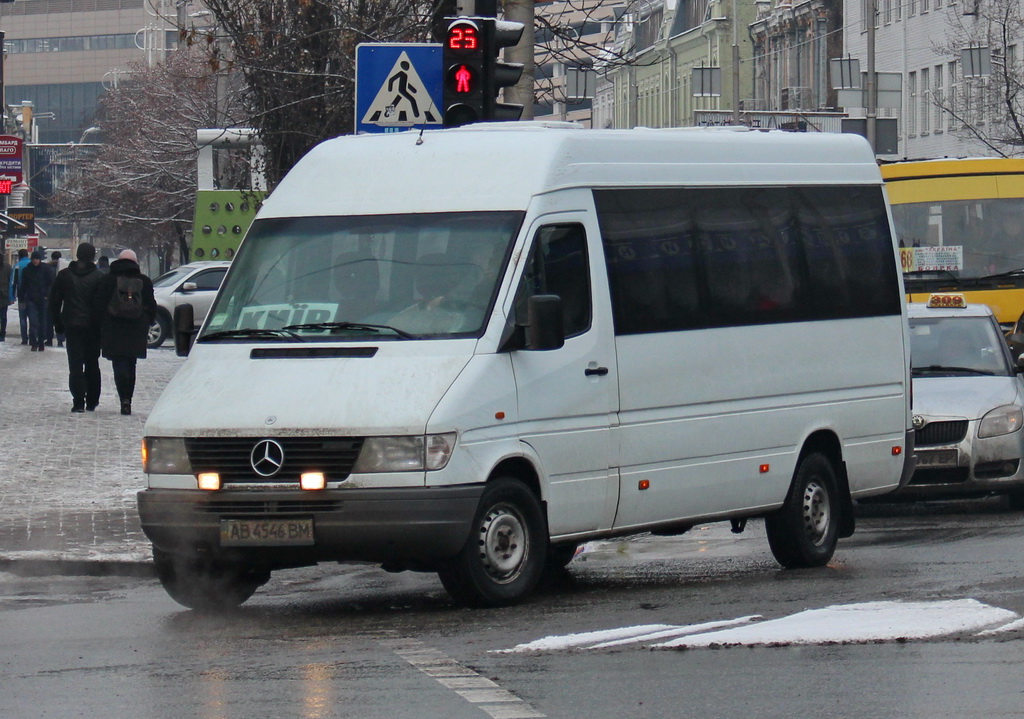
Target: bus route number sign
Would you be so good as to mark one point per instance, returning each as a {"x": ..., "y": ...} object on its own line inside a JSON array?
[{"x": 932, "y": 259}]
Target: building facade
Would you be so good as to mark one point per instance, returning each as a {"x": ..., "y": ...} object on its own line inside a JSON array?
[
  {"x": 60, "y": 54},
  {"x": 916, "y": 39}
]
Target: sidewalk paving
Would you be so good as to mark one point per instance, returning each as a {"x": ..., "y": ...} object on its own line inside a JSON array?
[{"x": 68, "y": 481}]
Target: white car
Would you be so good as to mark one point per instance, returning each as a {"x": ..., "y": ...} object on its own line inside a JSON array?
[
  {"x": 195, "y": 283},
  {"x": 968, "y": 403}
]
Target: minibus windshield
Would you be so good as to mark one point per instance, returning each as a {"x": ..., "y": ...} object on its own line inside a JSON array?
[{"x": 390, "y": 277}]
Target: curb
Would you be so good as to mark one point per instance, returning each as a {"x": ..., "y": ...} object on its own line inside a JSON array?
[{"x": 77, "y": 568}]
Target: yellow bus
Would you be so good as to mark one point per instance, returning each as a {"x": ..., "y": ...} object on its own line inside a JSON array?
[{"x": 960, "y": 225}]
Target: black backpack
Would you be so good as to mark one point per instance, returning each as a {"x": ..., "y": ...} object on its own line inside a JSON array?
[{"x": 126, "y": 301}]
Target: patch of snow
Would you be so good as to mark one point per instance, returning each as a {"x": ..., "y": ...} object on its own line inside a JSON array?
[{"x": 857, "y": 623}]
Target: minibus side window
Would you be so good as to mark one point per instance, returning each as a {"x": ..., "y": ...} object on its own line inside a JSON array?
[
  {"x": 558, "y": 265},
  {"x": 682, "y": 258}
]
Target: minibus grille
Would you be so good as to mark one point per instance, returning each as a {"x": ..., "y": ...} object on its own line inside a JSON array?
[
  {"x": 232, "y": 457},
  {"x": 941, "y": 433}
]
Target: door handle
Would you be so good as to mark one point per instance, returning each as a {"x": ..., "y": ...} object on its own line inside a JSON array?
[{"x": 595, "y": 371}]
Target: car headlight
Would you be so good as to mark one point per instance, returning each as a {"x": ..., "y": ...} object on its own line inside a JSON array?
[
  {"x": 1001, "y": 420},
  {"x": 405, "y": 454},
  {"x": 165, "y": 455}
]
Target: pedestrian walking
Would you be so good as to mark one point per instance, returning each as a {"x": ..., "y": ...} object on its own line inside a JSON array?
[
  {"x": 103, "y": 264},
  {"x": 126, "y": 306},
  {"x": 21, "y": 264},
  {"x": 33, "y": 289},
  {"x": 58, "y": 263},
  {"x": 5, "y": 296},
  {"x": 71, "y": 308}
]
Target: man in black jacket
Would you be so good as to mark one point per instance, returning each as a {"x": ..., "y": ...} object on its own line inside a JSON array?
[
  {"x": 33, "y": 288},
  {"x": 71, "y": 307}
]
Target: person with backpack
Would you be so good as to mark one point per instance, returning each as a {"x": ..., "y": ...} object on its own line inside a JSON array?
[
  {"x": 124, "y": 301},
  {"x": 71, "y": 309},
  {"x": 33, "y": 289}
]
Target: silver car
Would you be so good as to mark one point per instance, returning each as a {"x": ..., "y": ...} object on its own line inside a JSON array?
[
  {"x": 195, "y": 283},
  {"x": 968, "y": 404}
]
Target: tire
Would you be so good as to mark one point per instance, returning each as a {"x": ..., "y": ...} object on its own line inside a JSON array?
[
  {"x": 204, "y": 585},
  {"x": 805, "y": 531},
  {"x": 560, "y": 555},
  {"x": 1015, "y": 500},
  {"x": 159, "y": 331},
  {"x": 505, "y": 554}
]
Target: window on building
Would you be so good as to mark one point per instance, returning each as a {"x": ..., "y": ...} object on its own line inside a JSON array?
[
  {"x": 912, "y": 104},
  {"x": 938, "y": 98},
  {"x": 953, "y": 99},
  {"x": 925, "y": 102}
]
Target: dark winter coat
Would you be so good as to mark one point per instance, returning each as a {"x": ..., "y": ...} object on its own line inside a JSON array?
[
  {"x": 5, "y": 280},
  {"x": 120, "y": 337},
  {"x": 35, "y": 284},
  {"x": 72, "y": 295}
]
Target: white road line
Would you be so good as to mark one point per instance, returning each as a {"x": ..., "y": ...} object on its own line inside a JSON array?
[{"x": 478, "y": 690}]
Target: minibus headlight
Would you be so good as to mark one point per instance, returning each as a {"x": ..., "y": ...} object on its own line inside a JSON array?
[
  {"x": 405, "y": 454},
  {"x": 1001, "y": 420},
  {"x": 165, "y": 455}
]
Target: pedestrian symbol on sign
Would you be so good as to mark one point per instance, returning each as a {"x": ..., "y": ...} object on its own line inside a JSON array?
[{"x": 402, "y": 99}]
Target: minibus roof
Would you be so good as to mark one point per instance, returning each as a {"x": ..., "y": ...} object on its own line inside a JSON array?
[{"x": 500, "y": 166}]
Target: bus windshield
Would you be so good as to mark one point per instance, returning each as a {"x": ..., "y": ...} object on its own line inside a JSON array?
[
  {"x": 959, "y": 229},
  {"x": 387, "y": 277},
  {"x": 978, "y": 237}
]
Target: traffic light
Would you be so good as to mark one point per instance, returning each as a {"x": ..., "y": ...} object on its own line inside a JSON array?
[
  {"x": 500, "y": 34},
  {"x": 463, "y": 57}
]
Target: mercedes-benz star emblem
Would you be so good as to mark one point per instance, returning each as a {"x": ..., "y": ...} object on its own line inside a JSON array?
[{"x": 267, "y": 457}]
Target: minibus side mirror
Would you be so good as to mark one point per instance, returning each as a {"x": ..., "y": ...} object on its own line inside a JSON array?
[
  {"x": 544, "y": 329},
  {"x": 184, "y": 329}
]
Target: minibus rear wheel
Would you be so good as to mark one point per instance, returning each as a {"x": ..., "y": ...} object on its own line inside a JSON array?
[
  {"x": 505, "y": 554},
  {"x": 805, "y": 531},
  {"x": 206, "y": 585}
]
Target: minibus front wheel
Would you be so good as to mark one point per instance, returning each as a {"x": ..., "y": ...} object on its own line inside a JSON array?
[
  {"x": 805, "y": 531},
  {"x": 505, "y": 554},
  {"x": 203, "y": 584}
]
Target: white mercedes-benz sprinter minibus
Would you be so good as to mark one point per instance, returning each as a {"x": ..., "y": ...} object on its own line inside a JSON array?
[{"x": 467, "y": 351}]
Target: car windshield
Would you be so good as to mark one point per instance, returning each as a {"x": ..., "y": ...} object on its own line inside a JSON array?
[
  {"x": 957, "y": 345},
  {"x": 389, "y": 277},
  {"x": 170, "y": 278}
]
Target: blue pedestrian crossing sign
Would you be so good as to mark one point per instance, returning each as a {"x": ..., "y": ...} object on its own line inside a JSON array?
[{"x": 398, "y": 86}]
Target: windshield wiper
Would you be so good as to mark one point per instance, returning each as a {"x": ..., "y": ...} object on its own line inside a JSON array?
[
  {"x": 351, "y": 326},
  {"x": 943, "y": 368},
  {"x": 280, "y": 334},
  {"x": 1009, "y": 273}
]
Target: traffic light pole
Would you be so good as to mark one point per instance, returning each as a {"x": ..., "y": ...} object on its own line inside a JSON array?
[{"x": 522, "y": 11}]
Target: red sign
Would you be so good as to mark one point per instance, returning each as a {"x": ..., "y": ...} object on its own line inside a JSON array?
[
  {"x": 11, "y": 148},
  {"x": 5, "y": 187}
]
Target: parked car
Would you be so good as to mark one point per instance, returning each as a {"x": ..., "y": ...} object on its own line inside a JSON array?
[
  {"x": 968, "y": 404},
  {"x": 195, "y": 283}
]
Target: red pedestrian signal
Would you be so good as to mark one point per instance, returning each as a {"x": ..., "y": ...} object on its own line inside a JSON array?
[
  {"x": 463, "y": 79},
  {"x": 463, "y": 58}
]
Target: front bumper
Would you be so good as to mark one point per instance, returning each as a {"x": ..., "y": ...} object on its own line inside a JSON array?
[
  {"x": 971, "y": 466},
  {"x": 406, "y": 527}
]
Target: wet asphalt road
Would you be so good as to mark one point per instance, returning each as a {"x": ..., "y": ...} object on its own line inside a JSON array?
[{"x": 354, "y": 641}]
